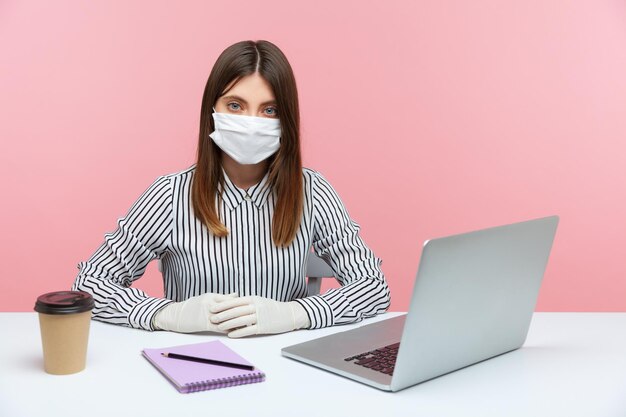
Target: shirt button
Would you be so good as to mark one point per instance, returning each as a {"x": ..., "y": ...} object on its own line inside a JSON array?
[{"x": 247, "y": 198}]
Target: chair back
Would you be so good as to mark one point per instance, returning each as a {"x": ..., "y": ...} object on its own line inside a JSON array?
[{"x": 316, "y": 269}]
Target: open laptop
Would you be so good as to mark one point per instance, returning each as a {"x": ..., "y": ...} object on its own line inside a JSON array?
[{"x": 473, "y": 299}]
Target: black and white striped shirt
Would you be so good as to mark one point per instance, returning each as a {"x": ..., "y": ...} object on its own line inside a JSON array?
[{"x": 161, "y": 225}]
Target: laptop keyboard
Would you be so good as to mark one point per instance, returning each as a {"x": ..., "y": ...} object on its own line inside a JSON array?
[{"x": 381, "y": 360}]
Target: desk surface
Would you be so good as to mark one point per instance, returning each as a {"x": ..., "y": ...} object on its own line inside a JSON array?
[{"x": 572, "y": 364}]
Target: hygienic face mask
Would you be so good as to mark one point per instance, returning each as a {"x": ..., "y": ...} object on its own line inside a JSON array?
[{"x": 246, "y": 139}]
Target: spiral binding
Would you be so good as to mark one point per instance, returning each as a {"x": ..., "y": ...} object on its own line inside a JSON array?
[{"x": 224, "y": 382}]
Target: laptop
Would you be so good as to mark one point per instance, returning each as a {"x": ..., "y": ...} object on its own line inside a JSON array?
[{"x": 473, "y": 299}]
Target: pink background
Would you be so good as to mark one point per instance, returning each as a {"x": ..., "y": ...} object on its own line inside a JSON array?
[{"x": 429, "y": 118}]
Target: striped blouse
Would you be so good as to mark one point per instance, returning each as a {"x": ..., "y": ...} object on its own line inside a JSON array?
[{"x": 161, "y": 225}]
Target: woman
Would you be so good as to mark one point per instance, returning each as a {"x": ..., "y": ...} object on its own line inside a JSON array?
[{"x": 233, "y": 231}]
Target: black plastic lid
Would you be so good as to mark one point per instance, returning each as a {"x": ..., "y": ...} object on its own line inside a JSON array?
[{"x": 64, "y": 302}]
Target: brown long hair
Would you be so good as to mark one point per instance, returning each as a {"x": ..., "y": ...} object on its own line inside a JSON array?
[{"x": 285, "y": 168}]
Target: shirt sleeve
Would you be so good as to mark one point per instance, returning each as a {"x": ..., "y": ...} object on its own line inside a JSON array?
[
  {"x": 364, "y": 291},
  {"x": 141, "y": 236}
]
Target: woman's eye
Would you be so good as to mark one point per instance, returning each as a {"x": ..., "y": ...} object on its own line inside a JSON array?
[
  {"x": 270, "y": 111},
  {"x": 234, "y": 106}
]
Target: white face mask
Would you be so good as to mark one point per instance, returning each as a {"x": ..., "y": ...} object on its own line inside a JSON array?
[{"x": 246, "y": 139}]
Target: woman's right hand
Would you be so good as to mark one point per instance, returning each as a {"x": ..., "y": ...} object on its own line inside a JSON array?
[{"x": 191, "y": 315}]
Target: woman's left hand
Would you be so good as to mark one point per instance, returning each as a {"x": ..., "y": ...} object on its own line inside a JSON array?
[{"x": 246, "y": 316}]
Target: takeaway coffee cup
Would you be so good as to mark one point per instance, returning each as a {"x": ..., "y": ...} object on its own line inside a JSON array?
[{"x": 64, "y": 318}]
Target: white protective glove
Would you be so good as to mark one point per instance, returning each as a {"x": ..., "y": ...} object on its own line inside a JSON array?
[
  {"x": 246, "y": 316},
  {"x": 191, "y": 315}
]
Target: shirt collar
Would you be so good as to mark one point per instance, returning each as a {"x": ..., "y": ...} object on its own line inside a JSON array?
[{"x": 233, "y": 196}]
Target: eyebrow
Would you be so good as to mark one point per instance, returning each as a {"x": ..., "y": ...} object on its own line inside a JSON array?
[{"x": 244, "y": 101}]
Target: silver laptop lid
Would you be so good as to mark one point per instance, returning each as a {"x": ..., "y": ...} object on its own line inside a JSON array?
[{"x": 473, "y": 298}]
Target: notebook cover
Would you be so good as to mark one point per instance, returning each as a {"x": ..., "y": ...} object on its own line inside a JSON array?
[{"x": 189, "y": 376}]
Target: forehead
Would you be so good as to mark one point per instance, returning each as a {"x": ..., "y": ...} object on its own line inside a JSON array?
[{"x": 252, "y": 88}]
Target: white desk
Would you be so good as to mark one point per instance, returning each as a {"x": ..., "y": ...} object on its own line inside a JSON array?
[{"x": 573, "y": 364}]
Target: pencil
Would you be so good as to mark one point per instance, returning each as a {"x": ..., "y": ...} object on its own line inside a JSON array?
[{"x": 209, "y": 361}]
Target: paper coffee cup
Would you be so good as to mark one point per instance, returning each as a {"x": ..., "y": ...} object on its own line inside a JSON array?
[{"x": 64, "y": 318}]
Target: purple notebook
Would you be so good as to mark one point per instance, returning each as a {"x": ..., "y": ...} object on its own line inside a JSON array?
[{"x": 189, "y": 376}]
